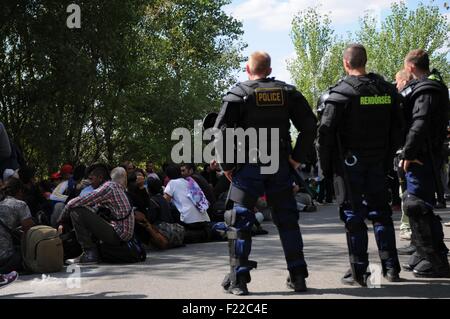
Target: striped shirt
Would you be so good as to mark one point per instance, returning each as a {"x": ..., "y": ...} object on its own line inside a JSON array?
[{"x": 112, "y": 196}]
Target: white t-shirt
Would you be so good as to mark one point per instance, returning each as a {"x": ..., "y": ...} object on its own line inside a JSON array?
[
  {"x": 58, "y": 192},
  {"x": 178, "y": 190}
]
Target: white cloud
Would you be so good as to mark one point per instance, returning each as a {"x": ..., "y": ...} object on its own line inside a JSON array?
[
  {"x": 280, "y": 68},
  {"x": 276, "y": 15}
]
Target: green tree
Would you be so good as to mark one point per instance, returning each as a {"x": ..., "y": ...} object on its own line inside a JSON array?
[
  {"x": 318, "y": 63},
  {"x": 115, "y": 88},
  {"x": 404, "y": 30}
]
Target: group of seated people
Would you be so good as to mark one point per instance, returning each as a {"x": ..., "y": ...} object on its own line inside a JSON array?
[{"x": 100, "y": 207}]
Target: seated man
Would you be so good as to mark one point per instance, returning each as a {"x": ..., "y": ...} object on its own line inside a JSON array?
[
  {"x": 114, "y": 229},
  {"x": 195, "y": 222},
  {"x": 304, "y": 201},
  {"x": 13, "y": 214},
  {"x": 59, "y": 194}
]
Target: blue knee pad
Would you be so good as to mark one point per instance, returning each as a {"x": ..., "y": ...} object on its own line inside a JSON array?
[
  {"x": 245, "y": 219},
  {"x": 384, "y": 230},
  {"x": 240, "y": 241}
]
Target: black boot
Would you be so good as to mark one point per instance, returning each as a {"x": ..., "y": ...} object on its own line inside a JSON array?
[
  {"x": 88, "y": 257},
  {"x": 435, "y": 266},
  {"x": 239, "y": 288},
  {"x": 392, "y": 275},
  {"x": 413, "y": 261},
  {"x": 360, "y": 279},
  {"x": 296, "y": 279},
  {"x": 226, "y": 282},
  {"x": 296, "y": 282}
]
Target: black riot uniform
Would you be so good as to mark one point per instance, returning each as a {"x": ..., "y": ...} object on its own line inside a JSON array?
[
  {"x": 359, "y": 133},
  {"x": 426, "y": 108},
  {"x": 265, "y": 104}
]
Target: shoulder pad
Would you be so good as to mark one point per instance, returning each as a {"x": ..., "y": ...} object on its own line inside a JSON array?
[
  {"x": 427, "y": 85},
  {"x": 322, "y": 101},
  {"x": 236, "y": 94},
  {"x": 341, "y": 92},
  {"x": 408, "y": 89}
]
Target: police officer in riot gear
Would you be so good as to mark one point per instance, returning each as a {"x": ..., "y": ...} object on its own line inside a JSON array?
[
  {"x": 357, "y": 139},
  {"x": 264, "y": 103},
  {"x": 427, "y": 106}
]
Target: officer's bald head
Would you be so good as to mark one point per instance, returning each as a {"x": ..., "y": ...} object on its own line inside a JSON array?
[
  {"x": 259, "y": 64},
  {"x": 355, "y": 55}
]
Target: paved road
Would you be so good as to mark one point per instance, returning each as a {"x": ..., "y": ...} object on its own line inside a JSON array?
[{"x": 196, "y": 271}]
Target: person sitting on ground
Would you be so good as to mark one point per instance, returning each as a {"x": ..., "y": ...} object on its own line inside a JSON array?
[
  {"x": 9, "y": 173},
  {"x": 128, "y": 166},
  {"x": 137, "y": 191},
  {"x": 76, "y": 182},
  {"x": 105, "y": 214},
  {"x": 164, "y": 215},
  {"x": 160, "y": 209},
  {"x": 139, "y": 198},
  {"x": 210, "y": 175},
  {"x": 189, "y": 170},
  {"x": 150, "y": 170},
  {"x": 97, "y": 174},
  {"x": 304, "y": 200},
  {"x": 60, "y": 192},
  {"x": 40, "y": 207},
  {"x": 193, "y": 217},
  {"x": 14, "y": 213}
]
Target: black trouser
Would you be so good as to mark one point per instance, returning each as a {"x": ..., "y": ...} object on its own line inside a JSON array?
[
  {"x": 13, "y": 263},
  {"x": 325, "y": 190},
  {"x": 394, "y": 185},
  {"x": 88, "y": 224},
  {"x": 197, "y": 232}
]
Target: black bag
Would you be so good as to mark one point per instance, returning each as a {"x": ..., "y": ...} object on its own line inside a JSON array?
[{"x": 127, "y": 252}]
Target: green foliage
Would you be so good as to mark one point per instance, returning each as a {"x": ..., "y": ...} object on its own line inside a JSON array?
[
  {"x": 318, "y": 64},
  {"x": 404, "y": 30},
  {"x": 115, "y": 88}
]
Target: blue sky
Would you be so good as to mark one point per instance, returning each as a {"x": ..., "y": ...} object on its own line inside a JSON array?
[{"x": 267, "y": 23}]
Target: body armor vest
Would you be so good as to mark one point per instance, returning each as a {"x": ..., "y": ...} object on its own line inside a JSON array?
[{"x": 366, "y": 122}]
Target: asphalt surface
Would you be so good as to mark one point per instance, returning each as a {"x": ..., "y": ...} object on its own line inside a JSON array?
[{"x": 196, "y": 271}]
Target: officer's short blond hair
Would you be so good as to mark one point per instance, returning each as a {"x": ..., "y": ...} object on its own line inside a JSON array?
[{"x": 259, "y": 62}]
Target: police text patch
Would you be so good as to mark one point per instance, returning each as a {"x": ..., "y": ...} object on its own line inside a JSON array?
[
  {"x": 376, "y": 100},
  {"x": 269, "y": 97}
]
